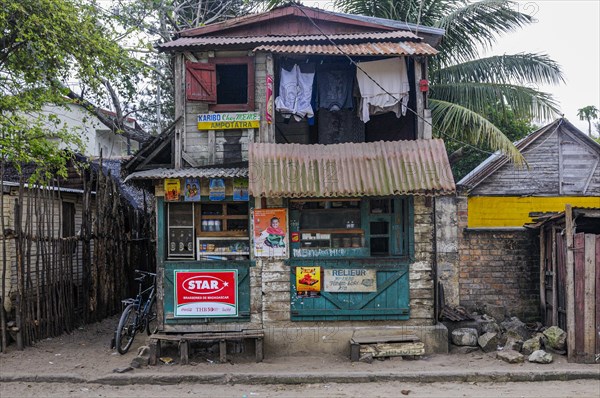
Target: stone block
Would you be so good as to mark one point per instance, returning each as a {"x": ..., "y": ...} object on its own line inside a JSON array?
[
  {"x": 540, "y": 356},
  {"x": 516, "y": 326},
  {"x": 513, "y": 343},
  {"x": 531, "y": 345},
  {"x": 488, "y": 342},
  {"x": 556, "y": 338},
  {"x": 465, "y": 337},
  {"x": 510, "y": 356}
]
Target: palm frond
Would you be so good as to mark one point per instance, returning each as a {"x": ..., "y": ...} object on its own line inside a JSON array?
[
  {"x": 472, "y": 25},
  {"x": 452, "y": 121},
  {"x": 524, "y": 101},
  {"x": 514, "y": 68}
]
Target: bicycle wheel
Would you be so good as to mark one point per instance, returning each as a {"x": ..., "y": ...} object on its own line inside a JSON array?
[
  {"x": 127, "y": 329},
  {"x": 152, "y": 318}
]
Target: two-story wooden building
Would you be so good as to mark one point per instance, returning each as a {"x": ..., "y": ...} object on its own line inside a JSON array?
[{"x": 296, "y": 192}]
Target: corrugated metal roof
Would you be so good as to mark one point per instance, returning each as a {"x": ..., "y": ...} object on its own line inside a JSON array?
[
  {"x": 157, "y": 174},
  {"x": 418, "y": 167},
  {"x": 387, "y": 48},
  {"x": 226, "y": 41},
  {"x": 51, "y": 188}
]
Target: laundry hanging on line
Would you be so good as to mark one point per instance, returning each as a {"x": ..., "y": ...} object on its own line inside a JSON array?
[
  {"x": 295, "y": 92},
  {"x": 388, "y": 93}
]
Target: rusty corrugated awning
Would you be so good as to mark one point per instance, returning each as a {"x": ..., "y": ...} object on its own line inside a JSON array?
[
  {"x": 160, "y": 173},
  {"x": 418, "y": 167},
  {"x": 362, "y": 49},
  {"x": 215, "y": 41}
]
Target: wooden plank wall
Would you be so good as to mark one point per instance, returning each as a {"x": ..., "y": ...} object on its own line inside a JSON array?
[
  {"x": 586, "y": 297},
  {"x": 225, "y": 146},
  {"x": 597, "y": 294}
]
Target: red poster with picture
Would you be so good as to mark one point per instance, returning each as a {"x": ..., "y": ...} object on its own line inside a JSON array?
[{"x": 206, "y": 293}]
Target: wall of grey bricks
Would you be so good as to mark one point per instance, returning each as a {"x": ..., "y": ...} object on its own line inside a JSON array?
[{"x": 498, "y": 267}]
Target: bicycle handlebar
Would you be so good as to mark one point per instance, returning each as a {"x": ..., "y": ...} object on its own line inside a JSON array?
[{"x": 145, "y": 272}]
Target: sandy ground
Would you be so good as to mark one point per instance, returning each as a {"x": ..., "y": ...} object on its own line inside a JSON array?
[
  {"x": 550, "y": 389},
  {"x": 86, "y": 353}
]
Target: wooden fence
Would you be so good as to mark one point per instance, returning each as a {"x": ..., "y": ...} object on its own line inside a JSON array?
[
  {"x": 570, "y": 279},
  {"x": 58, "y": 282}
]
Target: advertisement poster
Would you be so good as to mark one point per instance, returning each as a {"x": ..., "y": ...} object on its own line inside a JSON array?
[
  {"x": 172, "y": 189},
  {"x": 240, "y": 189},
  {"x": 270, "y": 232},
  {"x": 206, "y": 293},
  {"x": 216, "y": 189},
  {"x": 350, "y": 280},
  {"x": 269, "y": 110},
  {"x": 308, "y": 279},
  {"x": 191, "y": 192}
]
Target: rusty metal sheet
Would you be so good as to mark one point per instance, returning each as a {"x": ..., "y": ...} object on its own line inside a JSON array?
[
  {"x": 160, "y": 173},
  {"x": 362, "y": 49},
  {"x": 214, "y": 41},
  {"x": 418, "y": 167}
]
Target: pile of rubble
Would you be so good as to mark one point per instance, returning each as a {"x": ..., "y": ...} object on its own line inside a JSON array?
[{"x": 511, "y": 339}]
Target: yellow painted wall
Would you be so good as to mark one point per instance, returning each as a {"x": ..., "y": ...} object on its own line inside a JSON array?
[{"x": 513, "y": 211}]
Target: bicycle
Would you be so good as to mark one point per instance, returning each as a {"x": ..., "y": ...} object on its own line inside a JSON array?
[{"x": 139, "y": 314}]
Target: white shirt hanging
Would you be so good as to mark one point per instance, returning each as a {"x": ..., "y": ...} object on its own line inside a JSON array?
[
  {"x": 391, "y": 92},
  {"x": 295, "y": 93}
]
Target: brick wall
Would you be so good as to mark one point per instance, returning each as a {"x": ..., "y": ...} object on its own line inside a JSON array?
[{"x": 499, "y": 267}]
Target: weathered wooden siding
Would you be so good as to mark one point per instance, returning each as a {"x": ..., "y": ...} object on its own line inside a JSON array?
[
  {"x": 560, "y": 163},
  {"x": 225, "y": 146},
  {"x": 541, "y": 178}
]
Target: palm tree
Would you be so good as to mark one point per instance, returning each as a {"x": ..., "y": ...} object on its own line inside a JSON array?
[
  {"x": 588, "y": 113},
  {"x": 462, "y": 84}
]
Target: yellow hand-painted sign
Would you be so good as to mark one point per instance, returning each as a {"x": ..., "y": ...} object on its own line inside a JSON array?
[{"x": 228, "y": 121}]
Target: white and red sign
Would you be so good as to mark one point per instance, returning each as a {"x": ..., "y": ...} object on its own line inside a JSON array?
[{"x": 206, "y": 293}]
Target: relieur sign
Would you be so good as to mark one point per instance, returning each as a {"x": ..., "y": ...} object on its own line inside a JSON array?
[{"x": 228, "y": 121}]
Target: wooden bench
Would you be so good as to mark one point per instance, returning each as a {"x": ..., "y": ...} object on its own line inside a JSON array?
[
  {"x": 386, "y": 346},
  {"x": 184, "y": 340}
]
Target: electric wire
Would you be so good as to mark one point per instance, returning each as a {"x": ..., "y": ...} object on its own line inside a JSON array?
[{"x": 382, "y": 88}]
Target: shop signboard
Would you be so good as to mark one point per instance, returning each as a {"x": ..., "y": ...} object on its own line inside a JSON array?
[
  {"x": 308, "y": 279},
  {"x": 228, "y": 121},
  {"x": 172, "y": 189},
  {"x": 206, "y": 293},
  {"x": 270, "y": 232},
  {"x": 353, "y": 280}
]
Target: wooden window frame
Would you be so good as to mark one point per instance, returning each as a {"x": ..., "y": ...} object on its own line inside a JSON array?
[{"x": 249, "y": 105}]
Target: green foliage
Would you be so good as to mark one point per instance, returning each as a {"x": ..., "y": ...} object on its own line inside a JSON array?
[
  {"x": 45, "y": 45},
  {"x": 588, "y": 113},
  {"x": 463, "y": 85},
  {"x": 512, "y": 126}
]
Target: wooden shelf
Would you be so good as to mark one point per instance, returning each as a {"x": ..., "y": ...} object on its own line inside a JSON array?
[
  {"x": 205, "y": 254},
  {"x": 332, "y": 231},
  {"x": 245, "y": 237},
  {"x": 229, "y": 234},
  {"x": 216, "y": 217}
]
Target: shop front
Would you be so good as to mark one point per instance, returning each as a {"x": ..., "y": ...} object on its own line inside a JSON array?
[{"x": 361, "y": 236}]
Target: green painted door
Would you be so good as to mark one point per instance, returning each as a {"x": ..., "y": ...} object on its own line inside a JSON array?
[{"x": 389, "y": 302}]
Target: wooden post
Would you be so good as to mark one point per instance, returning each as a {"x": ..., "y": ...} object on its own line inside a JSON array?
[
  {"x": 543, "y": 275},
  {"x": 222, "y": 351},
  {"x": 184, "y": 350},
  {"x": 420, "y": 103},
  {"x": 570, "y": 282},
  {"x": 259, "y": 349},
  {"x": 589, "y": 309},
  {"x": 597, "y": 293},
  {"x": 554, "y": 269},
  {"x": 179, "y": 68},
  {"x": 212, "y": 147}
]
